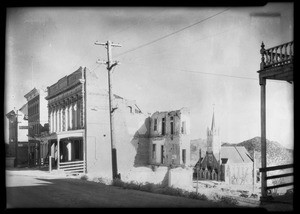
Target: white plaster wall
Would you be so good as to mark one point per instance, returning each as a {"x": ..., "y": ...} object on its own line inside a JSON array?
[
  {"x": 43, "y": 108},
  {"x": 181, "y": 178},
  {"x": 147, "y": 175},
  {"x": 239, "y": 173},
  {"x": 22, "y": 133},
  {"x": 98, "y": 142}
]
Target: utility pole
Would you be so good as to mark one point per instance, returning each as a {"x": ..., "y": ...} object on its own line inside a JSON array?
[
  {"x": 16, "y": 138},
  {"x": 110, "y": 65},
  {"x": 254, "y": 172}
]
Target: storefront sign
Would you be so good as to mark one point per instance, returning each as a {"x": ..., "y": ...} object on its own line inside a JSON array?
[{"x": 23, "y": 127}]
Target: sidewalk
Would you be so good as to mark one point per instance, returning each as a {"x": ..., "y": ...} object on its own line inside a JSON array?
[{"x": 40, "y": 172}]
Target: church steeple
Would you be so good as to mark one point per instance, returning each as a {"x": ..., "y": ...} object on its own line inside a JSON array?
[
  {"x": 213, "y": 141},
  {"x": 213, "y": 121}
]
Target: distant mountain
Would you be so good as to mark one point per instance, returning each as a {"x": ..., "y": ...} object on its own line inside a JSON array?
[
  {"x": 195, "y": 147},
  {"x": 276, "y": 153}
]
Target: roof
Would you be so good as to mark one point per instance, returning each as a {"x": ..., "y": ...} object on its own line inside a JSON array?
[
  {"x": 213, "y": 122},
  {"x": 24, "y": 109},
  {"x": 235, "y": 154}
]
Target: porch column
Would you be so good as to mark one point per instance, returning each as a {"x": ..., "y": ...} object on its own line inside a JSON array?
[
  {"x": 50, "y": 119},
  {"x": 70, "y": 116},
  {"x": 69, "y": 147},
  {"x": 78, "y": 113},
  {"x": 75, "y": 114},
  {"x": 54, "y": 120},
  {"x": 61, "y": 118},
  {"x": 58, "y": 152},
  {"x": 57, "y": 119},
  {"x": 66, "y": 117},
  {"x": 263, "y": 138}
]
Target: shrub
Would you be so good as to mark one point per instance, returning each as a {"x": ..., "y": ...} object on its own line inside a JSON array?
[
  {"x": 172, "y": 191},
  {"x": 117, "y": 182},
  {"x": 229, "y": 200},
  {"x": 158, "y": 188},
  {"x": 132, "y": 185},
  {"x": 84, "y": 177},
  {"x": 195, "y": 195},
  {"x": 148, "y": 187}
]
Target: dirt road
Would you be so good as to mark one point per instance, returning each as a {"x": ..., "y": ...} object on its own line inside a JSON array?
[{"x": 36, "y": 191}]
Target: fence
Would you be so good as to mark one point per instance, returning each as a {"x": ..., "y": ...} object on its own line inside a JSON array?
[{"x": 273, "y": 168}]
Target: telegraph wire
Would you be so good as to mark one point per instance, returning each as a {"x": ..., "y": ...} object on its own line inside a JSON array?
[
  {"x": 170, "y": 34},
  {"x": 138, "y": 23},
  {"x": 197, "y": 72},
  {"x": 191, "y": 43},
  {"x": 207, "y": 73}
]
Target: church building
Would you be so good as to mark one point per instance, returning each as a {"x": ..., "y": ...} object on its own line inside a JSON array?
[{"x": 230, "y": 164}]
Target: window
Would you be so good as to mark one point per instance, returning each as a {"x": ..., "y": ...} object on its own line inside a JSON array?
[
  {"x": 163, "y": 128},
  {"x": 162, "y": 154},
  {"x": 155, "y": 124},
  {"x": 172, "y": 125},
  {"x": 154, "y": 151},
  {"x": 183, "y": 156},
  {"x": 130, "y": 109},
  {"x": 183, "y": 128},
  {"x": 76, "y": 149}
]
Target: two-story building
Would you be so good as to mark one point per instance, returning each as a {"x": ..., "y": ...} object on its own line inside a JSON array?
[
  {"x": 170, "y": 138},
  {"x": 37, "y": 126},
  {"x": 79, "y": 138},
  {"x": 17, "y": 139}
]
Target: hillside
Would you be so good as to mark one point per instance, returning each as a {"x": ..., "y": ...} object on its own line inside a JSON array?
[
  {"x": 195, "y": 146},
  {"x": 276, "y": 153}
]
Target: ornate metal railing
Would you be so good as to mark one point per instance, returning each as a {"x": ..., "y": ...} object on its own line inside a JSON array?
[{"x": 276, "y": 56}]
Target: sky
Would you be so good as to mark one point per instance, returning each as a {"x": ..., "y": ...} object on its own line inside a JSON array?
[{"x": 202, "y": 58}]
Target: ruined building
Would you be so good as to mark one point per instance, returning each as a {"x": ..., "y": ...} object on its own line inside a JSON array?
[{"x": 170, "y": 138}]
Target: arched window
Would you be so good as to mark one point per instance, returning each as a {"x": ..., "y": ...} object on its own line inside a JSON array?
[{"x": 130, "y": 109}]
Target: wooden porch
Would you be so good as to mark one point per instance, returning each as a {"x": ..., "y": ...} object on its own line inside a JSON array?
[
  {"x": 68, "y": 152},
  {"x": 276, "y": 64}
]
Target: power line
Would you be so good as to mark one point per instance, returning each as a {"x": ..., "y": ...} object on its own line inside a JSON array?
[
  {"x": 170, "y": 34},
  {"x": 191, "y": 43},
  {"x": 214, "y": 74},
  {"x": 199, "y": 72},
  {"x": 130, "y": 26}
]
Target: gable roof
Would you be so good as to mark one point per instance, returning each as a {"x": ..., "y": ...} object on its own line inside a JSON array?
[{"x": 235, "y": 154}]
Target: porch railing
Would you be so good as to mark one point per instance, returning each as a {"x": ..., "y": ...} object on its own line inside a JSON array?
[
  {"x": 273, "y": 168},
  {"x": 277, "y": 56},
  {"x": 72, "y": 167}
]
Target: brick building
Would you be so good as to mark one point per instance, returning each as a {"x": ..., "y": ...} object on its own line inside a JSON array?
[
  {"x": 17, "y": 139},
  {"x": 38, "y": 126},
  {"x": 79, "y": 138},
  {"x": 170, "y": 138}
]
